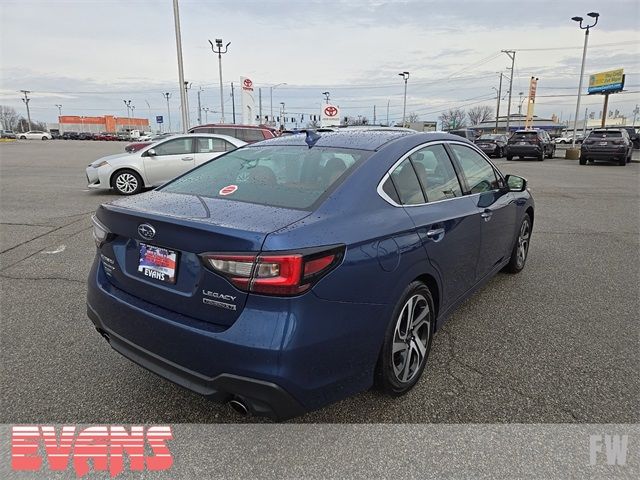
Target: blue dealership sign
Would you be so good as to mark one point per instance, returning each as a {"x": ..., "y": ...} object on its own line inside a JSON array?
[{"x": 159, "y": 118}]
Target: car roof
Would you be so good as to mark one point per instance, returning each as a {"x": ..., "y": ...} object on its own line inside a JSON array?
[
  {"x": 234, "y": 125},
  {"x": 357, "y": 139}
]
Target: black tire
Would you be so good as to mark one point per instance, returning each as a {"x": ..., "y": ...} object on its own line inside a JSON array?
[
  {"x": 126, "y": 182},
  {"x": 414, "y": 359},
  {"x": 22, "y": 137},
  {"x": 45, "y": 138},
  {"x": 583, "y": 161},
  {"x": 509, "y": 158},
  {"x": 519, "y": 257},
  {"x": 622, "y": 162},
  {"x": 551, "y": 153},
  {"x": 541, "y": 156},
  {"x": 498, "y": 152}
]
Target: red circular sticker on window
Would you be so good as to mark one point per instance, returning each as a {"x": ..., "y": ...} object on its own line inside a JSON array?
[{"x": 228, "y": 190}]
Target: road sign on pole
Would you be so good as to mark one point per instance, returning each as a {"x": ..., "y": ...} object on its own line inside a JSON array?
[{"x": 159, "y": 119}]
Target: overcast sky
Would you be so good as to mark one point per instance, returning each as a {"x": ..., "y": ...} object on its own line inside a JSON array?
[{"x": 90, "y": 55}]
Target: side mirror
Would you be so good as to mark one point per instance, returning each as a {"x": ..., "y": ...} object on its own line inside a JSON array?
[
  {"x": 516, "y": 183},
  {"x": 151, "y": 152}
]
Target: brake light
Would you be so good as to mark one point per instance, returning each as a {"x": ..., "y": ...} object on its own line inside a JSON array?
[{"x": 275, "y": 273}]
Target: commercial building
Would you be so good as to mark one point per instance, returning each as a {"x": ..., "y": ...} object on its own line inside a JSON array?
[
  {"x": 105, "y": 123},
  {"x": 516, "y": 122}
]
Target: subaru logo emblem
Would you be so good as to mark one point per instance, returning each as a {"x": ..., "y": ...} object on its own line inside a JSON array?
[{"x": 146, "y": 231}]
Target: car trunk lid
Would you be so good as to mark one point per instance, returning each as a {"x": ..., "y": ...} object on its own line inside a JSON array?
[{"x": 165, "y": 268}]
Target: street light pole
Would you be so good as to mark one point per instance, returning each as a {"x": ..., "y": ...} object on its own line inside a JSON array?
[
  {"x": 388, "y": 103},
  {"x": 59, "y": 109},
  {"x": 512, "y": 55},
  {"x": 187, "y": 87},
  {"x": 499, "y": 92},
  {"x": 326, "y": 96},
  {"x": 127, "y": 104},
  {"x": 405, "y": 77},
  {"x": 132, "y": 109},
  {"x": 167, "y": 96},
  {"x": 26, "y": 101},
  {"x": 586, "y": 28},
  {"x": 183, "y": 103},
  {"x": 282, "y": 120},
  {"x": 220, "y": 52},
  {"x": 206, "y": 114},
  {"x": 271, "y": 89}
]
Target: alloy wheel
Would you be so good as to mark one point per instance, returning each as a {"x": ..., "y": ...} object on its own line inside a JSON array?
[
  {"x": 126, "y": 183},
  {"x": 411, "y": 338},
  {"x": 523, "y": 243}
]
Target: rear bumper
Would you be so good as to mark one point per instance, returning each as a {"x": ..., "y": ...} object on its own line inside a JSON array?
[
  {"x": 610, "y": 154},
  {"x": 524, "y": 150},
  {"x": 261, "y": 398},
  {"x": 281, "y": 357}
]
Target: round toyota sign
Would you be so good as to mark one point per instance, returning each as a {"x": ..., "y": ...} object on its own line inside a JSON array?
[
  {"x": 330, "y": 111},
  {"x": 247, "y": 83}
]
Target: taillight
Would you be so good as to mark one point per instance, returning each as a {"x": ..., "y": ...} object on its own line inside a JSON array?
[{"x": 278, "y": 273}]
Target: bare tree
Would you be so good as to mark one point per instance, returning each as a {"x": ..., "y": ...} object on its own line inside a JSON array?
[
  {"x": 9, "y": 117},
  {"x": 313, "y": 124},
  {"x": 413, "y": 117},
  {"x": 479, "y": 114},
  {"x": 453, "y": 118}
]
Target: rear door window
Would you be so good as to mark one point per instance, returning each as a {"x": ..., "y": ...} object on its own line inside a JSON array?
[
  {"x": 210, "y": 145},
  {"x": 282, "y": 176},
  {"x": 436, "y": 174},
  {"x": 480, "y": 175},
  {"x": 525, "y": 136},
  {"x": 407, "y": 185}
]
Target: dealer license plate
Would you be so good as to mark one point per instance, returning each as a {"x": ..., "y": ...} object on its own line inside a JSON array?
[{"x": 158, "y": 263}]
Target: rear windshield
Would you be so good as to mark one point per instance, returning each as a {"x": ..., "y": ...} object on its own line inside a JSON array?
[
  {"x": 606, "y": 133},
  {"x": 524, "y": 135},
  {"x": 280, "y": 176},
  {"x": 490, "y": 137}
]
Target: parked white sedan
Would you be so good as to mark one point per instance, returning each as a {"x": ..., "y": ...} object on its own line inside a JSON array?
[
  {"x": 34, "y": 135},
  {"x": 157, "y": 163}
]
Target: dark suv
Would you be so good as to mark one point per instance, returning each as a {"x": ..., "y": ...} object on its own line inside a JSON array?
[
  {"x": 530, "y": 143},
  {"x": 609, "y": 144}
]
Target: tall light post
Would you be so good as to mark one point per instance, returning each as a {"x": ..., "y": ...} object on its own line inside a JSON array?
[
  {"x": 167, "y": 96},
  {"x": 326, "y": 96},
  {"x": 405, "y": 77},
  {"x": 512, "y": 55},
  {"x": 59, "y": 105},
  {"x": 132, "y": 109},
  {"x": 271, "y": 89},
  {"x": 206, "y": 114},
  {"x": 282, "y": 120},
  {"x": 187, "y": 87},
  {"x": 586, "y": 28},
  {"x": 220, "y": 52},
  {"x": 176, "y": 19},
  {"x": 26, "y": 101},
  {"x": 127, "y": 104},
  {"x": 388, "y": 103}
]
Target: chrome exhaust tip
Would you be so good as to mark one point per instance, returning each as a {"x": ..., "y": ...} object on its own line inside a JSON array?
[{"x": 239, "y": 406}]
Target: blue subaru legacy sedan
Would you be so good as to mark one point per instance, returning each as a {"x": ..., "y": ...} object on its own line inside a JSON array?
[{"x": 297, "y": 271}]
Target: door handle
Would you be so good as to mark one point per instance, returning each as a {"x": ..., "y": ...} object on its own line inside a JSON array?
[
  {"x": 486, "y": 215},
  {"x": 436, "y": 234},
  {"x": 186, "y": 159}
]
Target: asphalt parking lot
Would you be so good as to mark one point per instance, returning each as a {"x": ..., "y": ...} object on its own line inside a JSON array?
[{"x": 556, "y": 344}]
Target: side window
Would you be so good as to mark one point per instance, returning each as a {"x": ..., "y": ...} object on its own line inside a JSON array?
[
  {"x": 436, "y": 173},
  {"x": 479, "y": 173},
  {"x": 178, "y": 146},
  {"x": 406, "y": 182},
  {"x": 210, "y": 145},
  {"x": 252, "y": 135},
  {"x": 390, "y": 190}
]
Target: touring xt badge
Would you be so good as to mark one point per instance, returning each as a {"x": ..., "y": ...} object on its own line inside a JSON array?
[{"x": 218, "y": 297}]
